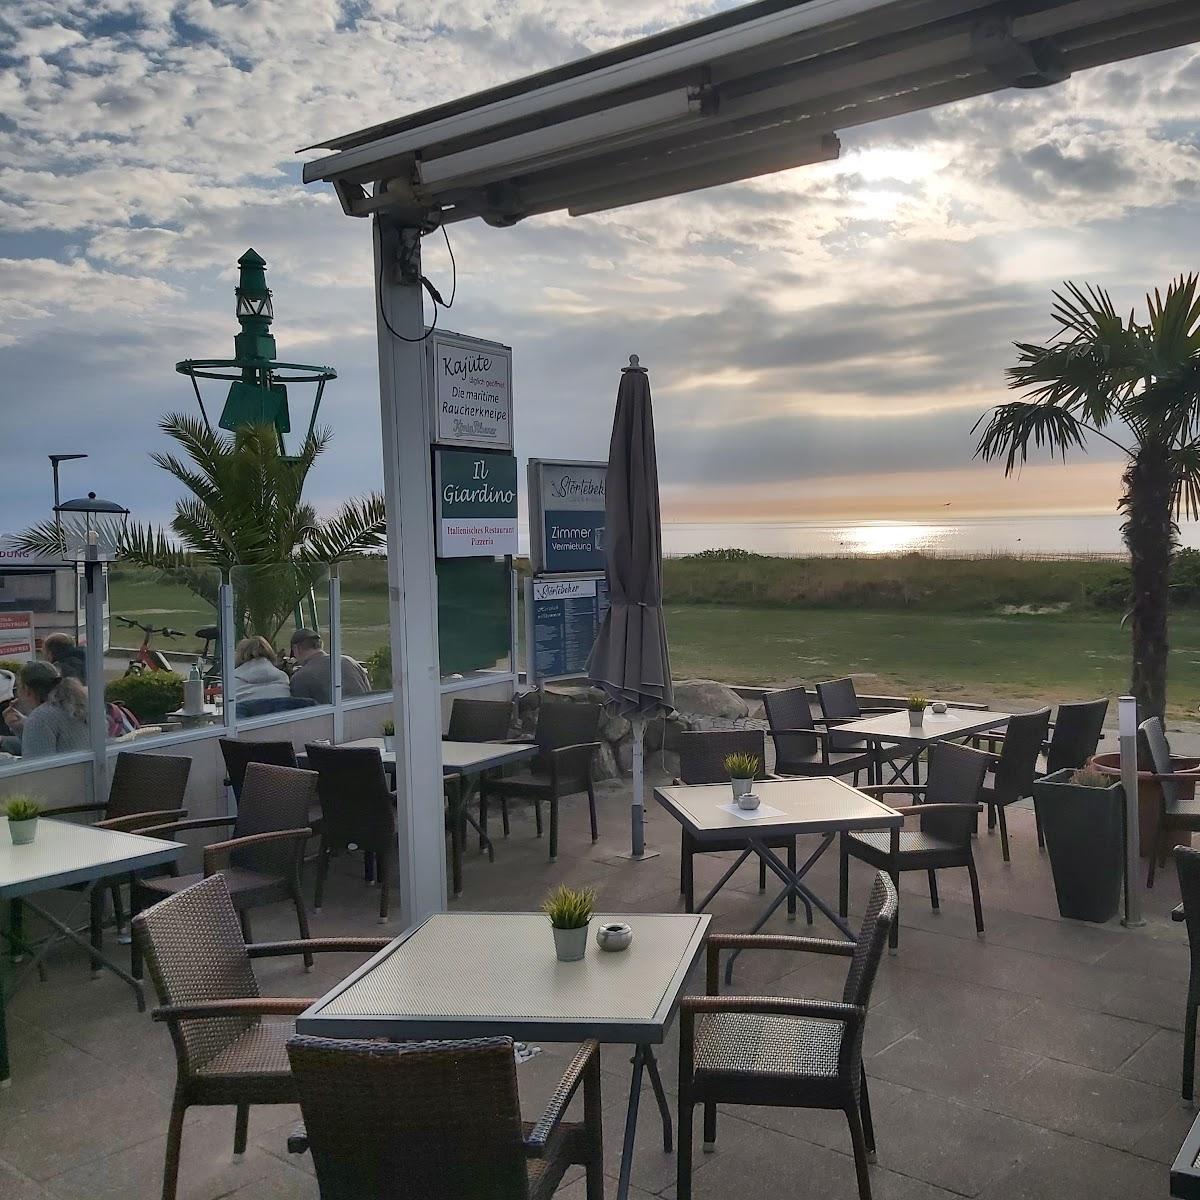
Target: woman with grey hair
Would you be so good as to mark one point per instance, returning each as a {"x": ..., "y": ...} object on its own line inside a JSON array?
[{"x": 50, "y": 716}]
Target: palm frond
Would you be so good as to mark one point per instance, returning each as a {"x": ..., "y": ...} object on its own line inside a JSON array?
[
  {"x": 359, "y": 525},
  {"x": 1185, "y": 471},
  {"x": 1013, "y": 427}
]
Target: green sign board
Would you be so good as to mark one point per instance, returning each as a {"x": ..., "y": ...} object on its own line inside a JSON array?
[{"x": 476, "y": 503}]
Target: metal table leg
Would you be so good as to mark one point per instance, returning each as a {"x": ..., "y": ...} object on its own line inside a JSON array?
[
  {"x": 631, "y": 1114},
  {"x": 5, "y": 1073},
  {"x": 661, "y": 1096}
]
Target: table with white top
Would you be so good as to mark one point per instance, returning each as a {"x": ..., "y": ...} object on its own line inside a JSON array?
[
  {"x": 467, "y": 975},
  {"x": 788, "y": 807},
  {"x": 895, "y": 729},
  {"x": 62, "y": 855}
]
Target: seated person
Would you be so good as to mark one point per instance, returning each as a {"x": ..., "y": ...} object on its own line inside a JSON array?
[
  {"x": 50, "y": 716},
  {"x": 70, "y": 659},
  {"x": 256, "y": 672},
  {"x": 312, "y": 678}
]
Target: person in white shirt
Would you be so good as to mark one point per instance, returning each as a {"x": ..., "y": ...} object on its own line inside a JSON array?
[{"x": 256, "y": 672}]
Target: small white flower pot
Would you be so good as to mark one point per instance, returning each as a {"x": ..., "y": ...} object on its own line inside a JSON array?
[
  {"x": 916, "y": 717},
  {"x": 570, "y": 944},
  {"x": 741, "y": 786},
  {"x": 22, "y": 832},
  {"x": 389, "y": 743}
]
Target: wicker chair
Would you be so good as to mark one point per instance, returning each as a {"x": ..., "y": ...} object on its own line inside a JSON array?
[
  {"x": 947, "y": 806},
  {"x": 780, "y": 1050},
  {"x": 238, "y": 755},
  {"x": 201, "y": 969},
  {"x": 1178, "y": 807},
  {"x": 479, "y": 721},
  {"x": 702, "y": 756},
  {"x": 359, "y": 812},
  {"x": 567, "y": 738},
  {"x": 439, "y": 1121},
  {"x": 1015, "y": 769},
  {"x": 800, "y": 747},
  {"x": 839, "y": 703},
  {"x": 261, "y": 861},
  {"x": 1187, "y": 862}
]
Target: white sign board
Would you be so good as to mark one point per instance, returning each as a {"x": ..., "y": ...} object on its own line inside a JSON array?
[
  {"x": 470, "y": 387},
  {"x": 16, "y": 636}
]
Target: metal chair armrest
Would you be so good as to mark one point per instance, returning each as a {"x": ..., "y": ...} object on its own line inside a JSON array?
[
  {"x": 255, "y": 1006},
  {"x": 194, "y": 823},
  {"x": 780, "y": 1006},
  {"x": 136, "y": 822},
  {"x": 222, "y": 849},
  {"x": 60, "y": 810},
  {"x": 587, "y": 1059},
  {"x": 920, "y": 810},
  {"x": 716, "y": 942},
  {"x": 352, "y": 945},
  {"x": 575, "y": 748},
  {"x": 888, "y": 789}
]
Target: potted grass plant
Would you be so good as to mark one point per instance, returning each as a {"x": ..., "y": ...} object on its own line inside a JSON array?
[
  {"x": 389, "y": 737},
  {"x": 1082, "y": 812},
  {"x": 742, "y": 769},
  {"x": 22, "y": 812},
  {"x": 916, "y": 705},
  {"x": 570, "y": 912}
]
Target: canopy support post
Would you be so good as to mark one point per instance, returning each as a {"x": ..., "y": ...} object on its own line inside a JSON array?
[{"x": 412, "y": 583}]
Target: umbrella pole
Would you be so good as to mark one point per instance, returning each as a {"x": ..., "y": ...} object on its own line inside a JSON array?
[{"x": 637, "y": 811}]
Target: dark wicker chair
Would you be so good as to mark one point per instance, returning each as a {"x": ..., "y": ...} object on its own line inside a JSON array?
[
  {"x": 567, "y": 737},
  {"x": 1015, "y": 769},
  {"x": 358, "y": 811},
  {"x": 800, "y": 747},
  {"x": 261, "y": 861},
  {"x": 439, "y": 1121},
  {"x": 947, "y": 805},
  {"x": 1187, "y": 862},
  {"x": 839, "y": 703},
  {"x": 702, "y": 756},
  {"x": 781, "y": 1050},
  {"x": 479, "y": 720},
  {"x": 239, "y": 754},
  {"x": 1178, "y": 807},
  {"x": 201, "y": 969}
]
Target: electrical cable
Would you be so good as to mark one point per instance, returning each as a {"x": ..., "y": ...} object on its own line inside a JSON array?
[{"x": 434, "y": 295}]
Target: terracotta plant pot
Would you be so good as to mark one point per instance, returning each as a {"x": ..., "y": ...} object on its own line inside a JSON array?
[{"x": 1150, "y": 796}]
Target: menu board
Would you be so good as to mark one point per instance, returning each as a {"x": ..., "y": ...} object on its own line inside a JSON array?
[
  {"x": 566, "y": 514},
  {"x": 563, "y": 617}
]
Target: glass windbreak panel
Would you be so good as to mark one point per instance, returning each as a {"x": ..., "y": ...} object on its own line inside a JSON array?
[
  {"x": 364, "y": 589},
  {"x": 162, "y": 667},
  {"x": 281, "y": 640},
  {"x": 474, "y": 617}
]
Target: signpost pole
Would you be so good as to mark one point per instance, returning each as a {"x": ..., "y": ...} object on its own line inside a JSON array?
[{"x": 1127, "y": 733}]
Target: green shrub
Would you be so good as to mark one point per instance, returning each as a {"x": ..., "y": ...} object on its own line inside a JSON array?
[
  {"x": 1185, "y": 577},
  {"x": 568, "y": 908},
  {"x": 22, "y": 807},
  {"x": 731, "y": 554},
  {"x": 149, "y": 696},
  {"x": 1115, "y": 592},
  {"x": 11, "y": 664},
  {"x": 379, "y": 668}
]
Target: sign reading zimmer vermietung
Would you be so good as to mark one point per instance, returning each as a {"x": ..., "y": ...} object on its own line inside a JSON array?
[
  {"x": 470, "y": 385},
  {"x": 476, "y": 503},
  {"x": 566, "y": 514}
]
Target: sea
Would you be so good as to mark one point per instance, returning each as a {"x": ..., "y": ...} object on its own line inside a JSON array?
[{"x": 1093, "y": 536}]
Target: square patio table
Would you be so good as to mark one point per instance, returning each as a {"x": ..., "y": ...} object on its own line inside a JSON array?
[
  {"x": 64, "y": 854},
  {"x": 1185, "y": 1170},
  {"x": 825, "y": 806},
  {"x": 465, "y": 975},
  {"x": 894, "y": 729}
]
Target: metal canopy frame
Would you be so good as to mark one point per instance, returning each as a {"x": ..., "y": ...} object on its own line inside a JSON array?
[{"x": 744, "y": 93}]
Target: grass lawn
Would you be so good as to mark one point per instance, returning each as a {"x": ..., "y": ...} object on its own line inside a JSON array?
[{"x": 1061, "y": 656}]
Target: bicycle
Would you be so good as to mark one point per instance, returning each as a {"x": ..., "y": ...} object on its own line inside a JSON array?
[{"x": 148, "y": 658}]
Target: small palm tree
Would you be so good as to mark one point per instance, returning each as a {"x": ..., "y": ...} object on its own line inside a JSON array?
[
  {"x": 245, "y": 509},
  {"x": 1137, "y": 386}
]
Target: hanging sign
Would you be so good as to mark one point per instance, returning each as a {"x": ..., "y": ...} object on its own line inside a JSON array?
[
  {"x": 16, "y": 636},
  {"x": 563, "y": 617},
  {"x": 476, "y": 503},
  {"x": 566, "y": 515},
  {"x": 470, "y": 386}
]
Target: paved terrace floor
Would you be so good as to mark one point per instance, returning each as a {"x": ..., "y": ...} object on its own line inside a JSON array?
[{"x": 1041, "y": 1061}]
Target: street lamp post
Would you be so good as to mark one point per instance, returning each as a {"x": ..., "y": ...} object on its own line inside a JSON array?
[{"x": 55, "y": 459}]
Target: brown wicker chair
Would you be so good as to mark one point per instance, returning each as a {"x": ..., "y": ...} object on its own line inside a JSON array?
[
  {"x": 479, "y": 720},
  {"x": 1016, "y": 767},
  {"x": 239, "y": 754},
  {"x": 780, "y": 1050},
  {"x": 261, "y": 861},
  {"x": 702, "y": 755},
  {"x": 567, "y": 738},
  {"x": 439, "y": 1121},
  {"x": 1178, "y": 807},
  {"x": 358, "y": 811},
  {"x": 800, "y": 747},
  {"x": 201, "y": 969},
  {"x": 947, "y": 805},
  {"x": 1187, "y": 862}
]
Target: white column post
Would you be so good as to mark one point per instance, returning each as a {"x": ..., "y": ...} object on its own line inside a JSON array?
[
  {"x": 95, "y": 582},
  {"x": 412, "y": 584},
  {"x": 1127, "y": 735}
]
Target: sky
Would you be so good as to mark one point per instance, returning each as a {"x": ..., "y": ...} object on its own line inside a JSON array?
[{"x": 820, "y": 342}]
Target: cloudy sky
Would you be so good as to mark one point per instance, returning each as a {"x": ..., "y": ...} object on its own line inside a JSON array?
[{"x": 820, "y": 342}]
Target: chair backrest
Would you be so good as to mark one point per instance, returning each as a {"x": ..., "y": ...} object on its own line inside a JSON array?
[
  {"x": 263, "y": 706},
  {"x": 1160, "y": 757},
  {"x": 238, "y": 755},
  {"x": 563, "y": 723},
  {"x": 147, "y": 783},
  {"x": 193, "y": 947},
  {"x": 839, "y": 700},
  {"x": 356, "y": 803},
  {"x": 388, "y": 1121},
  {"x": 872, "y": 934},
  {"x": 1187, "y": 863},
  {"x": 1017, "y": 768},
  {"x": 790, "y": 708},
  {"x": 1077, "y": 730},
  {"x": 702, "y": 753},
  {"x": 955, "y": 777},
  {"x": 273, "y": 798},
  {"x": 479, "y": 720}
]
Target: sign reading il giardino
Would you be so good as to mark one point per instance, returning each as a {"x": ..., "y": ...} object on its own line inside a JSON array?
[{"x": 475, "y": 503}]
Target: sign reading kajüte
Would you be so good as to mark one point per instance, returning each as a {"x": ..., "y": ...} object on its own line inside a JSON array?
[
  {"x": 475, "y": 503},
  {"x": 566, "y": 514},
  {"x": 470, "y": 387}
]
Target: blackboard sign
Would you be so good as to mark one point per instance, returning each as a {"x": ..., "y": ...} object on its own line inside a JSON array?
[
  {"x": 563, "y": 618},
  {"x": 476, "y": 503},
  {"x": 566, "y": 515}
]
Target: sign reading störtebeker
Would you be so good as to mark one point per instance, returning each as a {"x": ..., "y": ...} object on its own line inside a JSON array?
[
  {"x": 476, "y": 503},
  {"x": 566, "y": 515},
  {"x": 470, "y": 387}
]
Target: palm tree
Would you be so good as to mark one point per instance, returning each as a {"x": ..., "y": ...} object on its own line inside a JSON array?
[
  {"x": 244, "y": 510},
  {"x": 1136, "y": 386}
]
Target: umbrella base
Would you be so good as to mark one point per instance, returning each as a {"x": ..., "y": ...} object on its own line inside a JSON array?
[{"x": 629, "y": 854}]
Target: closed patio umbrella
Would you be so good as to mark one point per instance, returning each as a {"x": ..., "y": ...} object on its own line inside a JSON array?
[{"x": 629, "y": 661}]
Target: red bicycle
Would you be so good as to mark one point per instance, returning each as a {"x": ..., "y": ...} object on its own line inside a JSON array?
[{"x": 147, "y": 658}]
